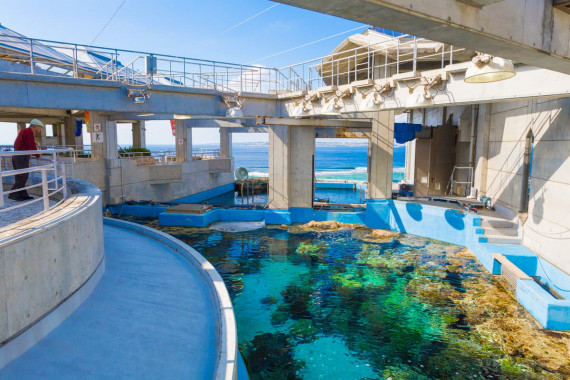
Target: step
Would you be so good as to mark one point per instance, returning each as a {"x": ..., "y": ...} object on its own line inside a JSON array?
[
  {"x": 499, "y": 239},
  {"x": 497, "y": 223},
  {"x": 500, "y": 231}
]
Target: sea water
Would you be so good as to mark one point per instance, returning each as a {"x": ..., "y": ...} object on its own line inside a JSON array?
[
  {"x": 340, "y": 159},
  {"x": 342, "y": 305}
]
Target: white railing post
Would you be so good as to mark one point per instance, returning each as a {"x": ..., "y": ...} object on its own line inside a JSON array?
[
  {"x": 398, "y": 57},
  {"x": 45, "y": 191},
  {"x": 63, "y": 181},
  {"x": 75, "y": 73},
  {"x": 31, "y": 56},
  {"x": 415, "y": 54},
  {"x": 1, "y": 185}
]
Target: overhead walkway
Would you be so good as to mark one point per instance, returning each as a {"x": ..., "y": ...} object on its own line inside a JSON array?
[{"x": 152, "y": 315}]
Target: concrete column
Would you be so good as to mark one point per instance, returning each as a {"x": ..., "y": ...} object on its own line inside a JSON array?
[
  {"x": 225, "y": 143},
  {"x": 291, "y": 155},
  {"x": 183, "y": 141},
  {"x": 21, "y": 126},
  {"x": 410, "y": 169},
  {"x": 69, "y": 131},
  {"x": 482, "y": 161},
  {"x": 139, "y": 134},
  {"x": 58, "y": 132},
  {"x": 380, "y": 155},
  {"x": 43, "y": 136},
  {"x": 104, "y": 142}
]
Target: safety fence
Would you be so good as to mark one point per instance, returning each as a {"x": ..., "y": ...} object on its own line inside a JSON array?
[
  {"x": 48, "y": 174},
  {"x": 142, "y": 70}
]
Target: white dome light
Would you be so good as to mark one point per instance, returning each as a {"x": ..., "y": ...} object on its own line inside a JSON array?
[{"x": 486, "y": 69}]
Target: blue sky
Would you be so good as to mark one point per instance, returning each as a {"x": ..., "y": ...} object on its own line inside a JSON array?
[{"x": 180, "y": 28}]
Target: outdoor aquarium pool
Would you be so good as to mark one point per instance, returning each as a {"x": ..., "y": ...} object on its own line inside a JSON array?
[{"x": 352, "y": 303}]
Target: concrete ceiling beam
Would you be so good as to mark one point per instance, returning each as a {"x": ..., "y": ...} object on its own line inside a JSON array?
[
  {"x": 312, "y": 122},
  {"x": 528, "y": 31}
]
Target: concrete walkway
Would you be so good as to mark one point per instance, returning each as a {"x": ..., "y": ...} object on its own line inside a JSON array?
[
  {"x": 26, "y": 211},
  {"x": 151, "y": 316}
]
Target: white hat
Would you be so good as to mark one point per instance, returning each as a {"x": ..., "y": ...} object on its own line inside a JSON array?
[{"x": 37, "y": 122}]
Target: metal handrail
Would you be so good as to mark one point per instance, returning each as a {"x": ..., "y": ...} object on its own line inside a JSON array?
[
  {"x": 149, "y": 69},
  {"x": 48, "y": 57},
  {"x": 50, "y": 184}
]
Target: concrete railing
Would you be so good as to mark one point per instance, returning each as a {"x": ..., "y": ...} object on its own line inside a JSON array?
[{"x": 43, "y": 261}]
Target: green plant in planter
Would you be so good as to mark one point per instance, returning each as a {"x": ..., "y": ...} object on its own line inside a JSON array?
[{"x": 124, "y": 152}]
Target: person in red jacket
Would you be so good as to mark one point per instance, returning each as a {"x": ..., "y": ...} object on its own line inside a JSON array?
[{"x": 24, "y": 141}]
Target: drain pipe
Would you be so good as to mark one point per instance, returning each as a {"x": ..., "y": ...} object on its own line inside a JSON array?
[{"x": 472, "y": 143}]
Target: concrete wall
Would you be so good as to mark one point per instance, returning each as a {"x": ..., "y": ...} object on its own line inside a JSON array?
[
  {"x": 127, "y": 181},
  {"x": 45, "y": 260},
  {"x": 547, "y": 229}
]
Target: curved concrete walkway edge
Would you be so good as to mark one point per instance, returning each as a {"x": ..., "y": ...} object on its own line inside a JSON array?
[
  {"x": 227, "y": 361},
  {"x": 36, "y": 332}
]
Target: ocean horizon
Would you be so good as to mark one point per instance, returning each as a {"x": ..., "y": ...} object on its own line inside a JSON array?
[{"x": 333, "y": 160}]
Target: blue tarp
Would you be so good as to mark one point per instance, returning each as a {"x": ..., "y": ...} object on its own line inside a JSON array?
[{"x": 404, "y": 132}]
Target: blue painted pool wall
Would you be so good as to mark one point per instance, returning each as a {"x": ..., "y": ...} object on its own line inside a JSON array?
[
  {"x": 139, "y": 211},
  {"x": 202, "y": 196},
  {"x": 550, "y": 312},
  {"x": 432, "y": 222}
]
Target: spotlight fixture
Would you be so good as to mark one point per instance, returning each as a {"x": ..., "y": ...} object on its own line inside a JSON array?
[
  {"x": 486, "y": 68},
  {"x": 301, "y": 109},
  {"x": 419, "y": 99},
  {"x": 182, "y": 117},
  {"x": 138, "y": 95},
  {"x": 331, "y": 107}
]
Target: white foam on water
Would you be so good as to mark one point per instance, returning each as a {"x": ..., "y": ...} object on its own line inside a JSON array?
[{"x": 237, "y": 226}]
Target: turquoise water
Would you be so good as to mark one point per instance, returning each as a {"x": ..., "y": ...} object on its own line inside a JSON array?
[{"x": 343, "y": 305}]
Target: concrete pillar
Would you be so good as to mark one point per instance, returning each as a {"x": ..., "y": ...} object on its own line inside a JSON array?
[
  {"x": 183, "y": 141},
  {"x": 58, "y": 133},
  {"x": 410, "y": 169},
  {"x": 291, "y": 157},
  {"x": 21, "y": 126},
  {"x": 482, "y": 151},
  {"x": 43, "y": 136},
  {"x": 69, "y": 131},
  {"x": 139, "y": 134},
  {"x": 103, "y": 142},
  {"x": 225, "y": 143},
  {"x": 380, "y": 155}
]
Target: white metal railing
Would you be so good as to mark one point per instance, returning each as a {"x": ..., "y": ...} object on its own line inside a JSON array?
[
  {"x": 467, "y": 181},
  {"x": 205, "y": 153},
  {"x": 52, "y": 177},
  {"x": 164, "y": 157},
  {"x": 376, "y": 61},
  {"x": 135, "y": 68}
]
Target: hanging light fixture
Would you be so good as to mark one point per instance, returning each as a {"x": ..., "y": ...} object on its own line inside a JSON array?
[
  {"x": 301, "y": 109},
  {"x": 419, "y": 99},
  {"x": 486, "y": 68},
  {"x": 331, "y": 107},
  {"x": 372, "y": 102}
]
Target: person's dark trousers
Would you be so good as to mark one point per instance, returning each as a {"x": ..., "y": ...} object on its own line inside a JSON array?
[{"x": 20, "y": 162}]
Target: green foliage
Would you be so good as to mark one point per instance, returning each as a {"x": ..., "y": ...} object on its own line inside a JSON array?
[{"x": 124, "y": 152}]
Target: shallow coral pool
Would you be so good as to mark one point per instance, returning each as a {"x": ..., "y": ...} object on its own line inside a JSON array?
[{"x": 348, "y": 304}]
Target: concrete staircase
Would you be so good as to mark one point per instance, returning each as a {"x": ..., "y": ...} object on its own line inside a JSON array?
[{"x": 498, "y": 231}]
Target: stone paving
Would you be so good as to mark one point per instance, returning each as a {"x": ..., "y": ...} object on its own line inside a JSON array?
[{"x": 27, "y": 210}]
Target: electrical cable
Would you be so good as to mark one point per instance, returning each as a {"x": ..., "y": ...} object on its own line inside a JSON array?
[
  {"x": 309, "y": 43},
  {"x": 108, "y": 21},
  {"x": 236, "y": 25}
]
